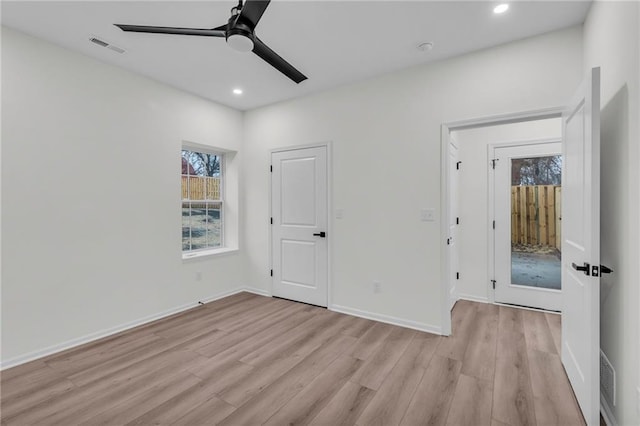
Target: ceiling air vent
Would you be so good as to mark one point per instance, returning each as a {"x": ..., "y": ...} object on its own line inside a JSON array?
[{"x": 106, "y": 44}]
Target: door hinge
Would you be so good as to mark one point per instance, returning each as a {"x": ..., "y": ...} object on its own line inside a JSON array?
[
  {"x": 458, "y": 165},
  {"x": 457, "y": 275},
  {"x": 493, "y": 282},
  {"x": 457, "y": 221},
  {"x": 494, "y": 224},
  {"x": 271, "y": 168},
  {"x": 272, "y": 272},
  {"x": 493, "y": 163},
  {"x": 272, "y": 221}
]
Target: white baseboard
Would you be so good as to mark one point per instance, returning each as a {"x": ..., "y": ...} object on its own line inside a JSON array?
[
  {"x": 387, "y": 319},
  {"x": 258, "y": 291},
  {"x": 472, "y": 298},
  {"x": 31, "y": 356},
  {"x": 606, "y": 412}
]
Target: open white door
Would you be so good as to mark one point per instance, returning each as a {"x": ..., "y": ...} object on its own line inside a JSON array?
[
  {"x": 299, "y": 230},
  {"x": 581, "y": 246},
  {"x": 453, "y": 213}
]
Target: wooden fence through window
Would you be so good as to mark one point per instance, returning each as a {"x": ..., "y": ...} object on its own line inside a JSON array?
[
  {"x": 536, "y": 215},
  {"x": 200, "y": 188}
]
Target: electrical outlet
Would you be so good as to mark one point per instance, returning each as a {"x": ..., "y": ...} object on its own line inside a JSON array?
[
  {"x": 198, "y": 276},
  {"x": 339, "y": 213},
  {"x": 377, "y": 286}
]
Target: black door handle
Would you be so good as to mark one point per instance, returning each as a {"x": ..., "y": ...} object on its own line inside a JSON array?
[
  {"x": 584, "y": 268},
  {"x": 321, "y": 234},
  {"x": 605, "y": 269}
]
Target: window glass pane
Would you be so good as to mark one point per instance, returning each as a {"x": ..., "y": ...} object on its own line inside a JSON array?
[
  {"x": 535, "y": 221},
  {"x": 214, "y": 222},
  {"x": 196, "y": 188},
  {"x": 186, "y": 227},
  {"x": 201, "y": 181},
  {"x": 213, "y": 188},
  {"x": 198, "y": 226}
]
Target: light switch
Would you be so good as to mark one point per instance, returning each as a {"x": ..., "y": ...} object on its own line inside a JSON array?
[
  {"x": 428, "y": 215},
  {"x": 339, "y": 213}
]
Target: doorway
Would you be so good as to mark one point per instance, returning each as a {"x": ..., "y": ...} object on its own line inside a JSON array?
[
  {"x": 299, "y": 224},
  {"x": 527, "y": 199}
]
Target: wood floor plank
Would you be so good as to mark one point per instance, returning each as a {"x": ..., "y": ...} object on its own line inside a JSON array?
[
  {"x": 357, "y": 327},
  {"x": 345, "y": 407},
  {"x": 141, "y": 403},
  {"x": 471, "y": 403},
  {"x": 19, "y": 402},
  {"x": 263, "y": 330},
  {"x": 455, "y": 346},
  {"x": 273, "y": 397},
  {"x": 510, "y": 319},
  {"x": 553, "y": 320},
  {"x": 480, "y": 356},
  {"x": 431, "y": 401},
  {"x": 378, "y": 365},
  {"x": 305, "y": 405},
  {"x": 553, "y": 397},
  {"x": 512, "y": 394},
  {"x": 200, "y": 398},
  {"x": 370, "y": 340},
  {"x": 537, "y": 332},
  {"x": 392, "y": 399},
  {"x": 302, "y": 365},
  {"x": 210, "y": 412}
]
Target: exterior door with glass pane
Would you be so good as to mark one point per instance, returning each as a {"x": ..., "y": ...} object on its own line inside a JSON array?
[{"x": 527, "y": 203}]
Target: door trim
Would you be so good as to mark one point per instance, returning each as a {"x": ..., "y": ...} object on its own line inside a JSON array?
[
  {"x": 445, "y": 134},
  {"x": 329, "y": 147},
  {"x": 491, "y": 240}
]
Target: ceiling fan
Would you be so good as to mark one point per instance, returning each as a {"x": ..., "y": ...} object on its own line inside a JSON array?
[{"x": 239, "y": 33}]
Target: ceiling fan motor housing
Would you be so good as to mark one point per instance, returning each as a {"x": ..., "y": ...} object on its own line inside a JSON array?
[{"x": 239, "y": 35}]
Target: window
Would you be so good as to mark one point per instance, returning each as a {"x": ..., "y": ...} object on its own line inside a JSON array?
[{"x": 202, "y": 200}]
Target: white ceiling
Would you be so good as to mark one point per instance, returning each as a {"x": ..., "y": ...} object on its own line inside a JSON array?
[{"x": 331, "y": 42}]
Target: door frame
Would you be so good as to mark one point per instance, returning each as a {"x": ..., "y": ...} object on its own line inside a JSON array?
[
  {"x": 491, "y": 240},
  {"x": 328, "y": 145},
  {"x": 445, "y": 136}
]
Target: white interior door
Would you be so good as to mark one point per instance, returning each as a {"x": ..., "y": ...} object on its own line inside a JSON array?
[
  {"x": 581, "y": 246},
  {"x": 527, "y": 191},
  {"x": 453, "y": 209},
  {"x": 299, "y": 230}
]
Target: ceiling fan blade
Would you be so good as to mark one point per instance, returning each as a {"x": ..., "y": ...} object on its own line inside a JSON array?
[
  {"x": 271, "y": 57},
  {"x": 216, "y": 32},
  {"x": 252, "y": 10}
]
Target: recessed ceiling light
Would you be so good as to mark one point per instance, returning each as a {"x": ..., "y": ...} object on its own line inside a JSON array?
[
  {"x": 237, "y": 91},
  {"x": 501, "y": 8},
  {"x": 426, "y": 46}
]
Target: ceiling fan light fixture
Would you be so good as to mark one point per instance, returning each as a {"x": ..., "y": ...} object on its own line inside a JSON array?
[{"x": 240, "y": 38}]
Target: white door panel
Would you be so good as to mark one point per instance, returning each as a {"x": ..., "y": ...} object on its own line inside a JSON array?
[
  {"x": 299, "y": 210},
  {"x": 581, "y": 246},
  {"x": 453, "y": 210}
]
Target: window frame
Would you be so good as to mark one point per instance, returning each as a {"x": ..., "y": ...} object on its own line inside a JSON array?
[{"x": 222, "y": 248}]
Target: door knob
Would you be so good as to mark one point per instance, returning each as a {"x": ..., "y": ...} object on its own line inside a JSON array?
[
  {"x": 584, "y": 268},
  {"x": 605, "y": 269},
  {"x": 320, "y": 234}
]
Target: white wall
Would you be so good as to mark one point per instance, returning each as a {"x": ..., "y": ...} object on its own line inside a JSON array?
[
  {"x": 611, "y": 38},
  {"x": 473, "y": 178},
  {"x": 90, "y": 197},
  {"x": 386, "y": 164}
]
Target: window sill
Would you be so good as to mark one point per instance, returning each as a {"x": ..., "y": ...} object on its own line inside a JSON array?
[{"x": 209, "y": 253}]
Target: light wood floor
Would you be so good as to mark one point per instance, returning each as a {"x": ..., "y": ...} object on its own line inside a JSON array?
[{"x": 248, "y": 359}]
